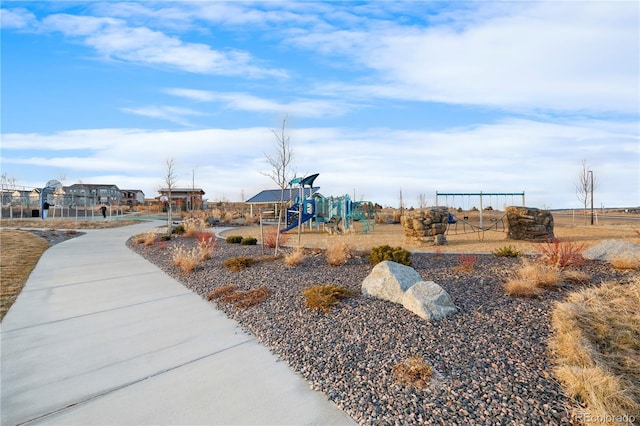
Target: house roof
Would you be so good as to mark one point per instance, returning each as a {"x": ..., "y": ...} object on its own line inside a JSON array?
[
  {"x": 182, "y": 190},
  {"x": 92, "y": 186},
  {"x": 273, "y": 195}
]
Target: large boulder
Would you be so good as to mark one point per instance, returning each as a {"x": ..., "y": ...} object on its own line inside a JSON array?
[
  {"x": 612, "y": 249},
  {"x": 427, "y": 226},
  {"x": 389, "y": 280},
  {"x": 428, "y": 300},
  {"x": 529, "y": 224},
  {"x": 402, "y": 284}
]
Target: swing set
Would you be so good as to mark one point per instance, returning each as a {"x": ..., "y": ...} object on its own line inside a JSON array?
[{"x": 479, "y": 229}]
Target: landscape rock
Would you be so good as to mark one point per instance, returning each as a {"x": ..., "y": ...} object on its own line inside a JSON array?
[
  {"x": 389, "y": 280},
  {"x": 529, "y": 224},
  {"x": 612, "y": 249},
  {"x": 402, "y": 284},
  {"x": 428, "y": 300},
  {"x": 426, "y": 226}
]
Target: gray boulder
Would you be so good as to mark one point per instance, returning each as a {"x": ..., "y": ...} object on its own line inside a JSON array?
[
  {"x": 389, "y": 280},
  {"x": 402, "y": 284},
  {"x": 428, "y": 300},
  {"x": 612, "y": 249}
]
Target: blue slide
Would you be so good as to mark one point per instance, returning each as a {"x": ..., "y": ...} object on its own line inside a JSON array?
[{"x": 292, "y": 215}]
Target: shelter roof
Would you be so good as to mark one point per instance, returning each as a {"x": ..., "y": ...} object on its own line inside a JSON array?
[{"x": 273, "y": 195}]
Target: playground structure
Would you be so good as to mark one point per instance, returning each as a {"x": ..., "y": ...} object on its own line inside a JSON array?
[
  {"x": 481, "y": 228},
  {"x": 335, "y": 214}
]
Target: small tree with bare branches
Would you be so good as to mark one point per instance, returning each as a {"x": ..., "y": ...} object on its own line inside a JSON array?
[
  {"x": 585, "y": 187},
  {"x": 280, "y": 172},
  {"x": 170, "y": 183}
]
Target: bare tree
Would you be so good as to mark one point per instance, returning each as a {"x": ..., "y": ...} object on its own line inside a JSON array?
[
  {"x": 585, "y": 187},
  {"x": 422, "y": 201},
  {"x": 170, "y": 183},
  {"x": 280, "y": 172}
]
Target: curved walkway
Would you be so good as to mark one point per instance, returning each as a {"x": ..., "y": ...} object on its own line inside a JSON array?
[{"x": 101, "y": 336}]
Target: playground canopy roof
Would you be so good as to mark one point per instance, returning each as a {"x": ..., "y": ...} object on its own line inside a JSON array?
[{"x": 273, "y": 195}]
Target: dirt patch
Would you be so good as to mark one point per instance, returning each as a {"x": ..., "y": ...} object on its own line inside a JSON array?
[
  {"x": 460, "y": 239},
  {"x": 65, "y": 223}
]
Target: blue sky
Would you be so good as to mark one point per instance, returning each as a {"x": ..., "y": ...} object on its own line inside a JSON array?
[{"x": 380, "y": 97}]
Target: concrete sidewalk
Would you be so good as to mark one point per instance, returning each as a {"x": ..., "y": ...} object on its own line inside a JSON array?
[{"x": 101, "y": 336}]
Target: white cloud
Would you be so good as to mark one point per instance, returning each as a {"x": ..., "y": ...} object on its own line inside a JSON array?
[
  {"x": 542, "y": 159},
  {"x": 247, "y": 102},
  {"x": 16, "y": 18},
  {"x": 114, "y": 39},
  {"x": 169, "y": 113},
  {"x": 539, "y": 56}
]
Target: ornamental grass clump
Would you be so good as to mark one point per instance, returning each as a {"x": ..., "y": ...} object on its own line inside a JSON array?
[
  {"x": 413, "y": 371},
  {"x": 206, "y": 242},
  {"x": 531, "y": 278},
  {"x": 338, "y": 253},
  {"x": 323, "y": 297},
  {"x": 192, "y": 226},
  {"x": 186, "y": 259},
  {"x": 386, "y": 252},
  {"x": 596, "y": 345},
  {"x": 149, "y": 239},
  {"x": 295, "y": 257},
  {"x": 625, "y": 263}
]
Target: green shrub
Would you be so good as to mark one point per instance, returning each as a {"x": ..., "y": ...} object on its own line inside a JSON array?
[
  {"x": 165, "y": 237},
  {"x": 249, "y": 241},
  {"x": 507, "y": 251},
  {"x": 178, "y": 230},
  {"x": 237, "y": 263},
  {"x": 234, "y": 239},
  {"x": 385, "y": 252}
]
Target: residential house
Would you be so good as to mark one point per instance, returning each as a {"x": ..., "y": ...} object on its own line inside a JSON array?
[
  {"x": 184, "y": 198},
  {"x": 132, "y": 197}
]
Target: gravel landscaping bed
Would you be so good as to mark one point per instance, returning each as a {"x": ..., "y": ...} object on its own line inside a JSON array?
[{"x": 489, "y": 359}]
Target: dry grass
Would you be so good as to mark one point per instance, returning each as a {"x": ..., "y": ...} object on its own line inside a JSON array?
[
  {"x": 575, "y": 276},
  {"x": 241, "y": 299},
  {"x": 20, "y": 253},
  {"x": 66, "y": 223},
  {"x": 186, "y": 259},
  {"x": 338, "y": 253},
  {"x": 295, "y": 257},
  {"x": 323, "y": 297},
  {"x": 625, "y": 263},
  {"x": 596, "y": 343},
  {"x": 413, "y": 371},
  {"x": 246, "y": 299},
  {"x": 531, "y": 278},
  {"x": 236, "y": 264},
  {"x": 192, "y": 226},
  {"x": 149, "y": 239},
  {"x": 221, "y": 291},
  {"x": 468, "y": 242},
  {"x": 206, "y": 244}
]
